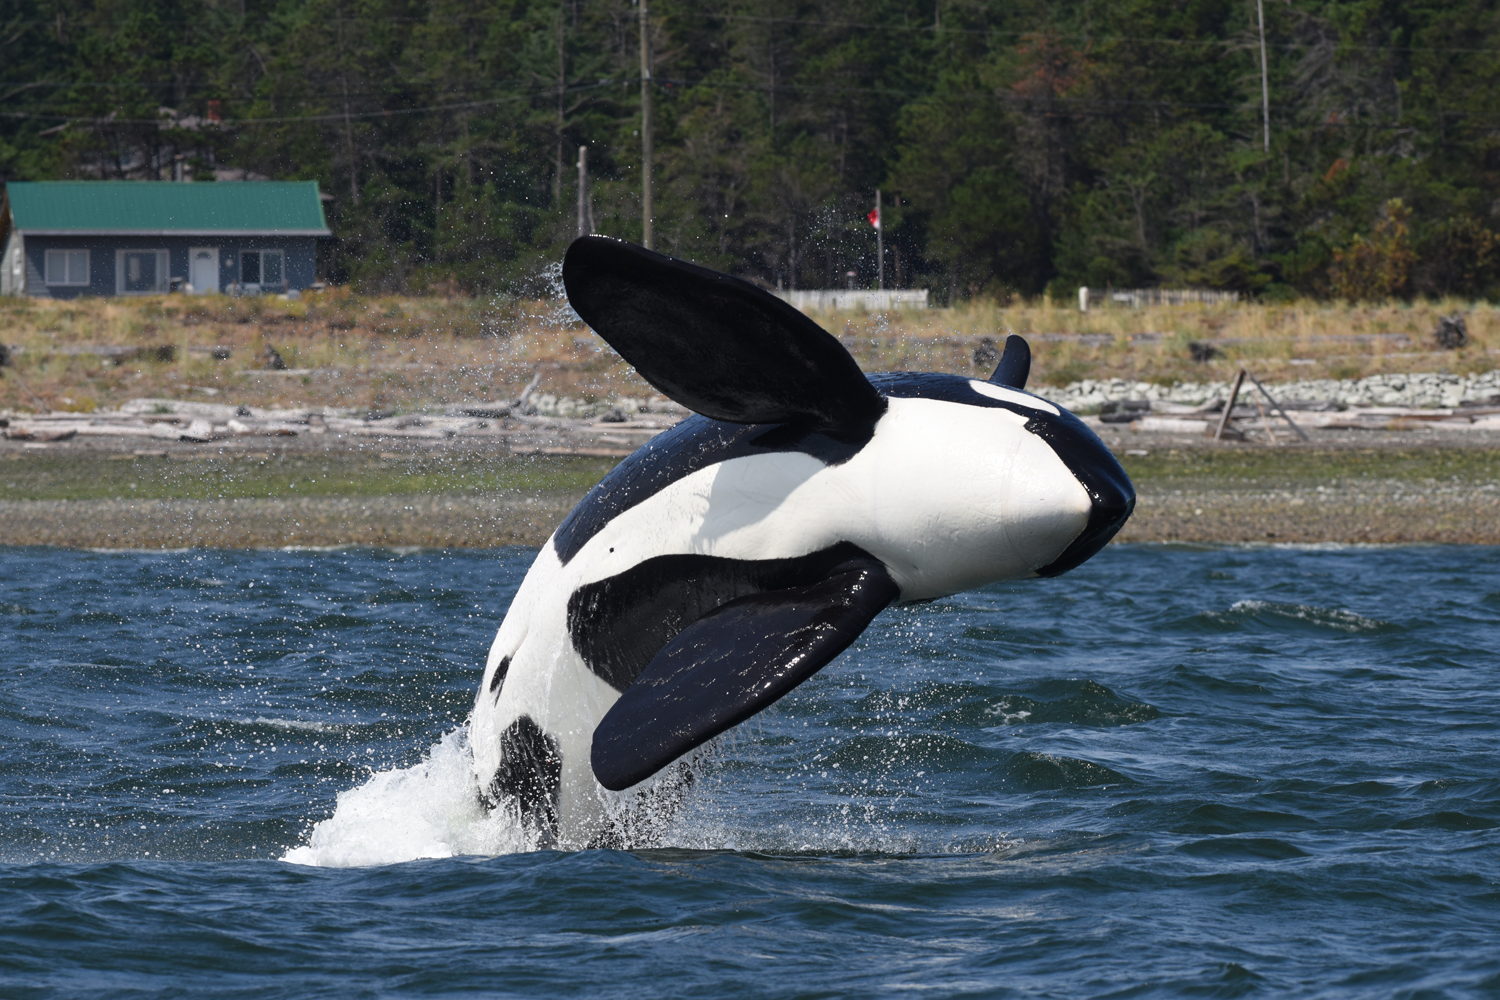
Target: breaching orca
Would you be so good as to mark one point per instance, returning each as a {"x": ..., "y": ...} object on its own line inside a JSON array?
[{"x": 732, "y": 557}]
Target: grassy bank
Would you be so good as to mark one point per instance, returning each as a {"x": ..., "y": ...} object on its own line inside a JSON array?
[
  {"x": 1267, "y": 469},
  {"x": 269, "y": 475},
  {"x": 1449, "y": 496},
  {"x": 405, "y": 353}
]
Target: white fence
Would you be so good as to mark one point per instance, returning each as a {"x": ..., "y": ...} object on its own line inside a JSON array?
[
  {"x": 827, "y": 299},
  {"x": 1135, "y": 298}
]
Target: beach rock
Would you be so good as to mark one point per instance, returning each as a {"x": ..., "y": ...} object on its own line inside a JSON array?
[
  {"x": 1202, "y": 351},
  {"x": 1452, "y": 332},
  {"x": 1423, "y": 389}
]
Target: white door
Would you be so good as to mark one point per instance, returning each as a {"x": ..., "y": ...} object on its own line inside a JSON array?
[{"x": 203, "y": 275}]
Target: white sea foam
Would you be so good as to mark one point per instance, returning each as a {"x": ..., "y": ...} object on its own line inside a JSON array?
[
  {"x": 425, "y": 811},
  {"x": 1336, "y": 618}
]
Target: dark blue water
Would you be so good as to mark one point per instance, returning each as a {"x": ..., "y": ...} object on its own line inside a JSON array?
[{"x": 1173, "y": 772}]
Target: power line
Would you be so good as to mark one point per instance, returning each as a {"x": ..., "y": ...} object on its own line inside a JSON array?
[
  {"x": 1085, "y": 37},
  {"x": 285, "y": 119},
  {"x": 1077, "y": 36},
  {"x": 1069, "y": 103}
]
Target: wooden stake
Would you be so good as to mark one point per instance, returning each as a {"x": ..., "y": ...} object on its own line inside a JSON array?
[
  {"x": 1272, "y": 400},
  {"x": 1270, "y": 433},
  {"x": 1234, "y": 394}
]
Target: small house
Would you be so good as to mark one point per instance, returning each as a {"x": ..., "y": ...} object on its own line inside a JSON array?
[{"x": 63, "y": 239}]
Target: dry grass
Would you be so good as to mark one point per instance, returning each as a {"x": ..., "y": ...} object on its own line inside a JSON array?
[
  {"x": 398, "y": 353},
  {"x": 390, "y": 353},
  {"x": 1278, "y": 342}
]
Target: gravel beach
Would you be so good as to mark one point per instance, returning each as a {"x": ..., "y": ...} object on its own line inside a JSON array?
[
  {"x": 1413, "y": 485},
  {"x": 1389, "y": 511}
]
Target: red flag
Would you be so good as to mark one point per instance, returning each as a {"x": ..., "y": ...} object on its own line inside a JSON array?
[{"x": 874, "y": 217}]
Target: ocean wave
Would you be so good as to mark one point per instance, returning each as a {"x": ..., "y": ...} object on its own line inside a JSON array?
[
  {"x": 1281, "y": 615},
  {"x": 1034, "y": 771}
]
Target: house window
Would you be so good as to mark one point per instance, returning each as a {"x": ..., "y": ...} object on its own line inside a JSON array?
[
  {"x": 67, "y": 267},
  {"x": 141, "y": 272},
  {"x": 264, "y": 268}
]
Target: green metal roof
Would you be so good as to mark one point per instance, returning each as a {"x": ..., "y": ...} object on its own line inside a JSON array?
[{"x": 165, "y": 208}]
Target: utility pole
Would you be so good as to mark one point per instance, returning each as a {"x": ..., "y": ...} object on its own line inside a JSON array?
[
  {"x": 1265, "y": 87},
  {"x": 583, "y": 190},
  {"x": 348, "y": 128},
  {"x": 879, "y": 241},
  {"x": 645, "y": 129}
]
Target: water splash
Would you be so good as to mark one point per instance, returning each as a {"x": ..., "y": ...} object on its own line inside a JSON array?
[{"x": 429, "y": 810}]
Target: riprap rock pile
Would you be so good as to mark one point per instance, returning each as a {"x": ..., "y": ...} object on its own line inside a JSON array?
[{"x": 1416, "y": 390}]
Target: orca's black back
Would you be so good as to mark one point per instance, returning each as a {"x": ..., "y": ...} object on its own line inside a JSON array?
[{"x": 694, "y": 444}]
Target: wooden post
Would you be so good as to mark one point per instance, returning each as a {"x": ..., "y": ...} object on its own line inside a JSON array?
[
  {"x": 1272, "y": 400},
  {"x": 880, "y": 241},
  {"x": 1234, "y": 394}
]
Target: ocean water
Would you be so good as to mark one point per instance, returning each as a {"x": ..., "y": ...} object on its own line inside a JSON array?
[{"x": 1207, "y": 772}]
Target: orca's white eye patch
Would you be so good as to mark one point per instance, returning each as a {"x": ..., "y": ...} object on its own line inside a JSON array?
[{"x": 1008, "y": 395}]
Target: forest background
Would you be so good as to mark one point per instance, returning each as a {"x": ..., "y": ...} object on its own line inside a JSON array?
[{"x": 1020, "y": 147}]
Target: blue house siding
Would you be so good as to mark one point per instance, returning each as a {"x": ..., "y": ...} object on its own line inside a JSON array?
[{"x": 299, "y": 255}]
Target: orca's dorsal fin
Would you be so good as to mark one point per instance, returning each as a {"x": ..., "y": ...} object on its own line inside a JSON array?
[
  {"x": 730, "y": 664},
  {"x": 1015, "y": 363},
  {"x": 716, "y": 344}
]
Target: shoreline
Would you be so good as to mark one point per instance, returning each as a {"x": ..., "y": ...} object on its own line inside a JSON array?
[
  {"x": 1389, "y": 512},
  {"x": 1415, "y": 485}
]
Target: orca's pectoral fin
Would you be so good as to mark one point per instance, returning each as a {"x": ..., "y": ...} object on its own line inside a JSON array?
[
  {"x": 730, "y": 664},
  {"x": 716, "y": 344},
  {"x": 1015, "y": 363}
]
